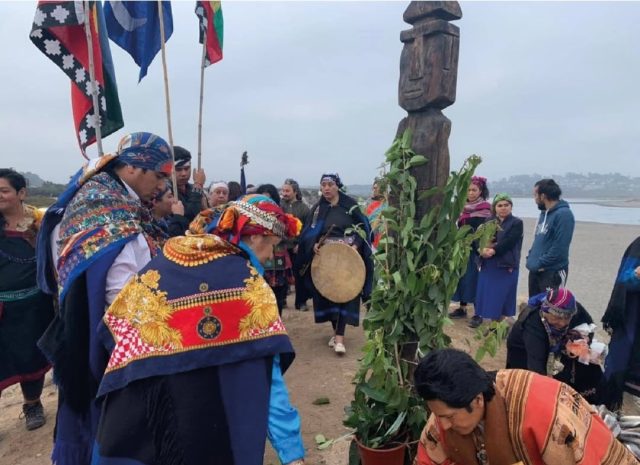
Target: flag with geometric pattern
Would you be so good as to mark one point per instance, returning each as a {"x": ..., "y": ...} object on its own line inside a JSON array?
[
  {"x": 58, "y": 32},
  {"x": 211, "y": 29}
]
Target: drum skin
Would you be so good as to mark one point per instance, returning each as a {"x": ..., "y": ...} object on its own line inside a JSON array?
[{"x": 338, "y": 272}]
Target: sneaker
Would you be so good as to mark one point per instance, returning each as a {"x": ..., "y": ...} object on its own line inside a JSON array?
[
  {"x": 340, "y": 349},
  {"x": 458, "y": 313},
  {"x": 33, "y": 415},
  {"x": 475, "y": 321},
  {"x": 332, "y": 341},
  {"x": 302, "y": 308}
]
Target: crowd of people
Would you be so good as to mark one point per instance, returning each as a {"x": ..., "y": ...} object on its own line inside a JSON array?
[{"x": 160, "y": 313}]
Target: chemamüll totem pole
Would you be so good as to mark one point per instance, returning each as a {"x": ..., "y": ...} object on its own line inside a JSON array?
[{"x": 428, "y": 75}]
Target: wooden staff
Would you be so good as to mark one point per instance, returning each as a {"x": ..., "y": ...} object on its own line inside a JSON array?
[
  {"x": 167, "y": 98},
  {"x": 204, "y": 58},
  {"x": 92, "y": 76}
]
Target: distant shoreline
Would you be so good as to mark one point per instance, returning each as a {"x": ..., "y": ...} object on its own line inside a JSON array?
[
  {"x": 630, "y": 203},
  {"x": 616, "y": 203}
]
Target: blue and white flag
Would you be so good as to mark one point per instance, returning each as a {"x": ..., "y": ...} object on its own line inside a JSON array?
[{"x": 135, "y": 26}]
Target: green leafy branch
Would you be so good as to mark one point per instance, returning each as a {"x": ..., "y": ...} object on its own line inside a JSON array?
[{"x": 419, "y": 262}]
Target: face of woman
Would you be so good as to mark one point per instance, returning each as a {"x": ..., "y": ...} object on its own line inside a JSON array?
[
  {"x": 162, "y": 207},
  {"x": 329, "y": 190},
  {"x": 473, "y": 193},
  {"x": 219, "y": 196},
  {"x": 460, "y": 420},
  {"x": 557, "y": 322},
  {"x": 262, "y": 246},
  {"x": 10, "y": 199},
  {"x": 503, "y": 209}
]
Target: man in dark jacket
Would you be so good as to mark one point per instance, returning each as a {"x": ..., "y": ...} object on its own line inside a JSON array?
[
  {"x": 191, "y": 195},
  {"x": 291, "y": 202},
  {"x": 548, "y": 258}
]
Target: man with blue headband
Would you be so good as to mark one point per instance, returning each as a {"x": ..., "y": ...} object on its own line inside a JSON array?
[{"x": 93, "y": 239}]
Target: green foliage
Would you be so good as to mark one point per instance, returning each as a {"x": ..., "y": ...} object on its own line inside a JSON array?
[
  {"x": 491, "y": 337},
  {"x": 418, "y": 264},
  {"x": 45, "y": 195}
]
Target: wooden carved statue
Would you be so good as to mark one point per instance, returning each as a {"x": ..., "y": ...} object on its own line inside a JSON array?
[{"x": 428, "y": 75}]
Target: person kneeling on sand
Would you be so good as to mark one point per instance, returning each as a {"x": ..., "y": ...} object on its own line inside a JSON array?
[
  {"x": 554, "y": 326},
  {"x": 198, "y": 351},
  {"x": 508, "y": 417}
]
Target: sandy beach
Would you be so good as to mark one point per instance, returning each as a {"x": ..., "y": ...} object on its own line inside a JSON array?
[{"x": 317, "y": 372}]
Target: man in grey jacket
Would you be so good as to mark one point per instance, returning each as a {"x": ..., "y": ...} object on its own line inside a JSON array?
[{"x": 548, "y": 258}]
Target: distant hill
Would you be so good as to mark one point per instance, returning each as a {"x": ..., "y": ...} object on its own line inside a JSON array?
[
  {"x": 573, "y": 185},
  {"x": 33, "y": 180},
  {"x": 41, "y": 193}
]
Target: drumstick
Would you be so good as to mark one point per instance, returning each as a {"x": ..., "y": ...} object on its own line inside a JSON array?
[
  {"x": 306, "y": 266},
  {"x": 324, "y": 238}
]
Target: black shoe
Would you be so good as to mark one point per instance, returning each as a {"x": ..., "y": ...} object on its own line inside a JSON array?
[
  {"x": 475, "y": 321},
  {"x": 458, "y": 313},
  {"x": 34, "y": 415}
]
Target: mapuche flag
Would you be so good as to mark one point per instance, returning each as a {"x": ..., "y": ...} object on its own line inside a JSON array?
[
  {"x": 211, "y": 29},
  {"x": 135, "y": 26},
  {"x": 58, "y": 31}
]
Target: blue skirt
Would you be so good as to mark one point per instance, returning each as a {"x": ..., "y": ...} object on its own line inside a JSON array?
[
  {"x": 466, "y": 290},
  {"x": 497, "y": 289}
]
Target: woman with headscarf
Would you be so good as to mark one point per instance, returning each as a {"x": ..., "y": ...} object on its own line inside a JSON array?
[
  {"x": 218, "y": 193},
  {"x": 25, "y": 312},
  {"x": 336, "y": 217},
  {"x": 499, "y": 265},
  {"x": 475, "y": 212},
  {"x": 550, "y": 330},
  {"x": 198, "y": 351}
]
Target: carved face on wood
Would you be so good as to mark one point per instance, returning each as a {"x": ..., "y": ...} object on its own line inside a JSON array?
[{"x": 428, "y": 66}]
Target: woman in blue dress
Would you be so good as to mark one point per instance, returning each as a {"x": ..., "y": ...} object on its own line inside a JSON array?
[
  {"x": 499, "y": 264},
  {"x": 476, "y": 211}
]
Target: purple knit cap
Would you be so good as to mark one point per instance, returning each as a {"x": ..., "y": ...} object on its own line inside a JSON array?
[{"x": 560, "y": 302}]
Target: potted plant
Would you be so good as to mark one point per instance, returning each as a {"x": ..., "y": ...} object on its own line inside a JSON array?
[{"x": 418, "y": 264}]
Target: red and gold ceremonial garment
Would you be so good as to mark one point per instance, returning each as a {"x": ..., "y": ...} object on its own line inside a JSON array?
[
  {"x": 200, "y": 303},
  {"x": 532, "y": 419}
]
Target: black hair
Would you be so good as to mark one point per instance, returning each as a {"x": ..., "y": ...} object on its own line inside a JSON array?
[
  {"x": 335, "y": 177},
  {"x": 484, "y": 192},
  {"x": 181, "y": 154},
  {"x": 235, "y": 190},
  {"x": 17, "y": 181},
  {"x": 453, "y": 377},
  {"x": 549, "y": 188},
  {"x": 167, "y": 188},
  {"x": 271, "y": 190}
]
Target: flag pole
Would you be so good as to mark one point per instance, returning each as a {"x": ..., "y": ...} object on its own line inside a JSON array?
[
  {"x": 166, "y": 95},
  {"x": 204, "y": 58},
  {"x": 92, "y": 76}
]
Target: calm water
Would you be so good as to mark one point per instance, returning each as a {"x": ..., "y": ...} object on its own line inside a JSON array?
[{"x": 583, "y": 210}]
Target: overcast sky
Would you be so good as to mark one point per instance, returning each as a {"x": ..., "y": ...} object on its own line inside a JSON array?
[{"x": 305, "y": 88}]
